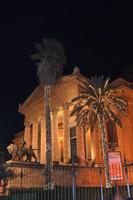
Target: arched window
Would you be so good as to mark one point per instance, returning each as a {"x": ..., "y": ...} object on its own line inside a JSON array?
[{"x": 112, "y": 135}]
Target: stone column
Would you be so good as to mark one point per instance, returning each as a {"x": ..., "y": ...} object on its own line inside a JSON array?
[
  {"x": 27, "y": 133},
  {"x": 80, "y": 144},
  {"x": 43, "y": 141},
  {"x": 66, "y": 134},
  {"x": 35, "y": 138},
  {"x": 55, "y": 143}
]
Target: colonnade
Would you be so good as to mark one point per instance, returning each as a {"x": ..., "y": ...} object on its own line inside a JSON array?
[{"x": 56, "y": 143}]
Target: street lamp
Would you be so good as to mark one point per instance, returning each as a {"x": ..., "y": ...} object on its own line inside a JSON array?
[{"x": 61, "y": 148}]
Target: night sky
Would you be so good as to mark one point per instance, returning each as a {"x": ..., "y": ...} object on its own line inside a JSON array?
[{"x": 98, "y": 38}]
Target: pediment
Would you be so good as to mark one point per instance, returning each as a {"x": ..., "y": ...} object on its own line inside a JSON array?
[
  {"x": 65, "y": 84},
  {"x": 34, "y": 97}
]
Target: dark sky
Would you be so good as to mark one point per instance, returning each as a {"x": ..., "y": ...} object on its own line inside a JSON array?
[{"x": 98, "y": 37}]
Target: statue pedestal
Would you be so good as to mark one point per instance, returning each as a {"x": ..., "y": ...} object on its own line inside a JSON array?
[{"x": 24, "y": 175}]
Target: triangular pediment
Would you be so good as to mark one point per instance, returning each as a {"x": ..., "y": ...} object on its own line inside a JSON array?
[
  {"x": 35, "y": 95},
  {"x": 66, "y": 83}
]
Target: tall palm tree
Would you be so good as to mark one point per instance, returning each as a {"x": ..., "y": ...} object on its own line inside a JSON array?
[
  {"x": 50, "y": 59},
  {"x": 100, "y": 102}
]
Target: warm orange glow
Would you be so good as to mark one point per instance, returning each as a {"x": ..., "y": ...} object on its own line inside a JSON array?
[
  {"x": 61, "y": 138},
  {"x": 92, "y": 154},
  {"x": 91, "y": 144}
]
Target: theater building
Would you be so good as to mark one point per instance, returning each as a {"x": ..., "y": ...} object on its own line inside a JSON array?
[{"x": 67, "y": 139}]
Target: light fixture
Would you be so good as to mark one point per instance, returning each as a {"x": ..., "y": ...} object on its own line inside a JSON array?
[{"x": 61, "y": 148}]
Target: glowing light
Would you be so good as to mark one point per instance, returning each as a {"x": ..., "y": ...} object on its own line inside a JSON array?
[
  {"x": 92, "y": 154},
  {"x": 61, "y": 138}
]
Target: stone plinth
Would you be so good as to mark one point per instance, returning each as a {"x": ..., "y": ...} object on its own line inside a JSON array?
[{"x": 25, "y": 175}]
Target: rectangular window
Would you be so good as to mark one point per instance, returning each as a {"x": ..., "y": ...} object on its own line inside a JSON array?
[
  {"x": 112, "y": 135},
  {"x": 73, "y": 144},
  {"x": 73, "y": 132}
]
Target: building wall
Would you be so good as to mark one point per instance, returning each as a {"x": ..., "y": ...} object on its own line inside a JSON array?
[
  {"x": 61, "y": 95},
  {"x": 125, "y": 133}
]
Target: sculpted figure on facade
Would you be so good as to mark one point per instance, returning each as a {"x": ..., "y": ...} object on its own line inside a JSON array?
[
  {"x": 20, "y": 151},
  {"x": 22, "y": 145},
  {"x": 13, "y": 150}
]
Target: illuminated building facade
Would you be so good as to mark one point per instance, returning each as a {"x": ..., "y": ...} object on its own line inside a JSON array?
[{"x": 68, "y": 140}]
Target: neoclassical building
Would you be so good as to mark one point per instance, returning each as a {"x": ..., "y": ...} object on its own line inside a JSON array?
[{"x": 67, "y": 139}]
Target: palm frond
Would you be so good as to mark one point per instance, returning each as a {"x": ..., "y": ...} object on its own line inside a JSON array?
[
  {"x": 82, "y": 118},
  {"x": 106, "y": 84},
  {"x": 75, "y": 99},
  {"x": 116, "y": 118},
  {"x": 89, "y": 88},
  {"x": 50, "y": 59},
  {"x": 98, "y": 96},
  {"x": 120, "y": 103},
  {"x": 93, "y": 120}
]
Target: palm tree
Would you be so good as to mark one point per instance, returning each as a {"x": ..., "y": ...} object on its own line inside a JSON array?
[
  {"x": 99, "y": 102},
  {"x": 50, "y": 59}
]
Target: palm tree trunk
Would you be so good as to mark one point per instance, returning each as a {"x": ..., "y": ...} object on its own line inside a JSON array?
[
  {"x": 49, "y": 163},
  {"x": 105, "y": 152}
]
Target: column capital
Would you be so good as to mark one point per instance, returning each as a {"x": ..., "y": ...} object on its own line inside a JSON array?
[
  {"x": 55, "y": 112},
  {"x": 27, "y": 123}
]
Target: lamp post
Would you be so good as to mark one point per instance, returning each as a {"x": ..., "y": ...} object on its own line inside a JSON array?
[
  {"x": 61, "y": 149},
  {"x": 73, "y": 180}
]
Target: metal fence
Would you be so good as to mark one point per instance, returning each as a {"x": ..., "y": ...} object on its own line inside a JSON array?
[{"x": 21, "y": 181}]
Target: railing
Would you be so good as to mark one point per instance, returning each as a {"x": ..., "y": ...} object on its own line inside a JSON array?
[{"x": 21, "y": 181}]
